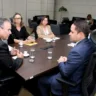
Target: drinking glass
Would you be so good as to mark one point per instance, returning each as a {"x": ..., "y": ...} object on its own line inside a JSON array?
[
  {"x": 49, "y": 53},
  {"x": 32, "y": 53},
  {"x": 21, "y": 43}
]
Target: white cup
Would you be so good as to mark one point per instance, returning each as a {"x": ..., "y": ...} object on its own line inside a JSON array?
[{"x": 25, "y": 52}]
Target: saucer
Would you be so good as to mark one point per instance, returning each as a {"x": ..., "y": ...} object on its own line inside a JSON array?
[{"x": 26, "y": 55}]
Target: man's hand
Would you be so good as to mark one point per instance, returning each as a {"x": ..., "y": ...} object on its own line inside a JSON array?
[
  {"x": 62, "y": 59},
  {"x": 20, "y": 55},
  {"x": 14, "y": 51}
]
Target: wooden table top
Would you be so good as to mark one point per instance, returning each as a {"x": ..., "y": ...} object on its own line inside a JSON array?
[{"x": 42, "y": 64}]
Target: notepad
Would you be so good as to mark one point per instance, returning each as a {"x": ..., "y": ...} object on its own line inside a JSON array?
[{"x": 31, "y": 44}]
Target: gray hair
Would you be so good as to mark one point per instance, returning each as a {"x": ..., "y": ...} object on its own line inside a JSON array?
[{"x": 2, "y": 20}]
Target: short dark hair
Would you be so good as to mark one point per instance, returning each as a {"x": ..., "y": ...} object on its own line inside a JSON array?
[
  {"x": 42, "y": 18},
  {"x": 2, "y": 20},
  {"x": 89, "y": 16},
  {"x": 82, "y": 26}
]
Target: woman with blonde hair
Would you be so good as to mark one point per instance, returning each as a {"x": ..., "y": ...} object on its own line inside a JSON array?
[{"x": 19, "y": 31}]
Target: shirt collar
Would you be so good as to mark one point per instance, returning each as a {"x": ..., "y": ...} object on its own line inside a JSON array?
[{"x": 5, "y": 41}]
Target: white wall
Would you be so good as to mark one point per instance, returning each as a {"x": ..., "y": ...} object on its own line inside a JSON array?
[
  {"x": 0, "y": 8},
  {"x": 79, "y": 8},
  {"x": 40, "y": 7},
  {"x": 27, "y": 8}
]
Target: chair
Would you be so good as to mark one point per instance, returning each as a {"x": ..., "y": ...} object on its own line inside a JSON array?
[
  {"x": 93, "y": 39},
  {"x": 8, "y": 81},
  {"x": 38, "y": 17},
  {"x": 33, "y": 25},
  {"x": 55, "y": 29},
  {"x": 52, "y": 21},
  {"x": 64, "y": 29}
]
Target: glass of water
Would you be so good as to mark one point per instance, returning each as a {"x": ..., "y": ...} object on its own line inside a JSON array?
[
  {"x": 32, "y": 55},
  {"x": 21, "y": 43},
  {"x": 49, "y": 53}
]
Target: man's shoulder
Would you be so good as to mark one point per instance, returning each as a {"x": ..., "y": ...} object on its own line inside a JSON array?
[
  {"x": 84, "y": 43},
  {"x": 84, "y": 47},
  {"x": 3, "y": 45}
]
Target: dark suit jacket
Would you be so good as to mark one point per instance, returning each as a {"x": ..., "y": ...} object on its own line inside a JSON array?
[
  {"x": 77, "y": 60},
  {"x": 74, "y": 67},
  {"x": 6, "y": 58}
]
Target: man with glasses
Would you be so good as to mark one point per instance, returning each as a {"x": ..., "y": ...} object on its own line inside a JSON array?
[{"x": 5, "y": 56}]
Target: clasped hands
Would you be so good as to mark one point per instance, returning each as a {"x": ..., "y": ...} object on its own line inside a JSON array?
[
  {"x": 15, "y": 51},
  {"x": 62, "y": 59}
]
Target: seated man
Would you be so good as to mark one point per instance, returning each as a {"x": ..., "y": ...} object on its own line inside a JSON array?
[
  {"x": 5, "y": 56},
  {"x": 73, "y": 66}
]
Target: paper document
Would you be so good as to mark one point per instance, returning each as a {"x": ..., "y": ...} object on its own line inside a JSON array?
[
  {"x": 71, "y": 44},
  {"x": 31, "y": 44}
]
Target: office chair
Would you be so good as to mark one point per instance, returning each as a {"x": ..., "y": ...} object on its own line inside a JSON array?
[
  {"x": 88, "y": 81},
  {"x": 93, "y": 39},
  {"x": 33, "y": 25},
  {"x": 55, "y": 29},
  {"x": 8, "y": 81}
]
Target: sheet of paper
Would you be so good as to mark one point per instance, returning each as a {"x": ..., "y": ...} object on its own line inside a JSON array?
[
  {"x": 31, "y": 44},
  {"x": 71, "y": 44},
  {"x": 56, "y": 38}
]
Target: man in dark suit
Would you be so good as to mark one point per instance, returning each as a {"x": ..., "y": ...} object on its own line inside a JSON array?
[
  {"x": 73, "y": 66},
  {"x": 5, "y": 56}
]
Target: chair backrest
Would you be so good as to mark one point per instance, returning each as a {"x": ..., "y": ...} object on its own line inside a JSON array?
[
  {"x": 88, "y": 83},
  {"x": 64, "y": 29},
  {"x": 32, "y": 24},
  {"x": 38, "y": 17},
  {"x": 55, "y": 29},
  {"x": 52, "y": 22},
  {"x": 76, "y": 18},
  {"x": 8, "y": 81}
]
